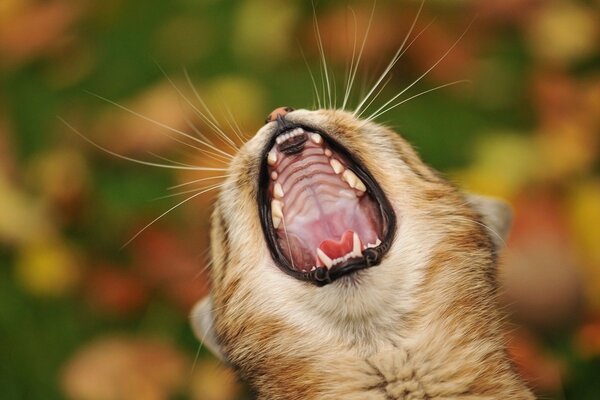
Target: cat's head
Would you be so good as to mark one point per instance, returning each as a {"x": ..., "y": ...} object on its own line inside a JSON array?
[{"x": 331, "y": 223}]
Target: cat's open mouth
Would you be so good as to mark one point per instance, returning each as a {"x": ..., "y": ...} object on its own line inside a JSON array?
[{"x": 322, "y": 213}]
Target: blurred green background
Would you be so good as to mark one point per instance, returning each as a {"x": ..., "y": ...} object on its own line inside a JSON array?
[{"x": 82, "y": 317}]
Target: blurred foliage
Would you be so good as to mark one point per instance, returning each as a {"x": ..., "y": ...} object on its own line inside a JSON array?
[{"x": 83, "y": 317}]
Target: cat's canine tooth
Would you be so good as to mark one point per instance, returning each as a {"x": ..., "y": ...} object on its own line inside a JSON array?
[
  {"x": 278, "y": 190},
  {"x": 316, "y": 138},
  {"x": 328, "y": 152},
  {"x": 377, "y": 243},
  {"x": 336, "y": 165},
  {"x": 324, "y": 258},
  {"x": 272, "y": 157},
  {"x": 357, "y": 245}
]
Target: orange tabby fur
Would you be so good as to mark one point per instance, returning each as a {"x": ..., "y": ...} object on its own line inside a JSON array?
[{"x": 424, "y": 324}]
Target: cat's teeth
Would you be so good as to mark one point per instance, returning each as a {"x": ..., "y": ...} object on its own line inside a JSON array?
[
  {"x": 377, "y": 243},
  {"x": 336, "y": 165},
  {"x": 324, "y": 258},
  {"x": 328, "y": 152},
  {"x": 353, "y": 181},
  {"x": 278, "y": 190},
  {"x": 274, "y": 175},
  {"x": 357, "y": 245},
  {"x": 316, "y": 138},
  {"x": 276, "y": 212},
  {"x": 272, "y": 158}
]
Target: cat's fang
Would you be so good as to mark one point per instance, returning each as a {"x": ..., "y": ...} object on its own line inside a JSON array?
[
  {"x": 328, "y": 262},
  {"x": 356, "y": 246}
]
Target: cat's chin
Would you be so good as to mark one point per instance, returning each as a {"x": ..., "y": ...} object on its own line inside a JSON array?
[{"x": 323, "y": 215}]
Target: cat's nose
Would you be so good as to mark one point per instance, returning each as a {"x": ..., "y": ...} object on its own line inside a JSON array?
[{"x": 278, "y": 112}]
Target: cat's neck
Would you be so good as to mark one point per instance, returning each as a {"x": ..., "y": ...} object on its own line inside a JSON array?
[{"x": 451, "y": 346}]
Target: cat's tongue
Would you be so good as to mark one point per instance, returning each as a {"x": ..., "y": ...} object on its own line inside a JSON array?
[{"x": 338, "y": 249}]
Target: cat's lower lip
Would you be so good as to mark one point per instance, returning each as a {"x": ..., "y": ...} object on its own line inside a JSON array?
[{"x": 322, "y": 213}]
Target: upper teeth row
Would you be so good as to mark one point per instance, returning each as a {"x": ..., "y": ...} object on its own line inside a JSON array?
[
  {"x": 348, "y": 176},
  {"x": 290, "y": 134}
]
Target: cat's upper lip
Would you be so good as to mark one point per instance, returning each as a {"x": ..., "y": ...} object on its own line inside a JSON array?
[{"x": 322, "y": 213}]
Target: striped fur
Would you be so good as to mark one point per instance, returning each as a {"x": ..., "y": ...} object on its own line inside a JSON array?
[{"x": 424, "y": 324}]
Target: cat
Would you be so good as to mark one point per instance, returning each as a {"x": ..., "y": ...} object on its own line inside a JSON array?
[{"x": 343, "y": 267}]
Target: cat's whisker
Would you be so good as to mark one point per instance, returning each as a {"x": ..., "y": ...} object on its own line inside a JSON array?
[
  {"x": 162, "y": 125},
  {"x": 324, "y": 69},
  {"x": 167, "y": 212},
  {"x": 393, "y": 62},
  {"x": 490, "y": 229},
  {"x": 198, "y": 180},
  {"x": 354, "y": 65},
  {"x": 208, "y": 117},
  {"x": 382, "y": 86},
  {"x": 424, "y": 74},
  {"x": 287, "y": 238},
  {"x": 203, "y": 188},
  {"x": 169, "y": 160},
  {"x": 239, "y": 133},
  {"x": 135, "y": 160},
  {"x": 378, "y": 114},
  {"x": 376, "y": 95},
  {"x": 184, "y": 97},
  {"x": 312, "y": 77}
]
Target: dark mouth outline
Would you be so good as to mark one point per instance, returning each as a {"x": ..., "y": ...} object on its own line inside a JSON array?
[{"x": 322, "y": 276}]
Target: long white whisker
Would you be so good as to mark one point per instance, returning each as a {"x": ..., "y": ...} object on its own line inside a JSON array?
[
  {"x": 142, "y": 162},
  {"x": 324, "y": 68},
  {"x": 169, "y": 160},
  {"x": 384, "y": 84},
  {"x": 235, "y": 128},
  {"x": 424, "y": 73},
  {"x": 158, "y": 123},
  {"x": 352, "y": 76},
  {"x": 205, "y": 188},
  {"x": 312, "y": 77},
  {"x": 198, "y": 180},
  {"x": 165, "y": 213},
  {"x": 210, "y": 154},
  {"x": 392, "y": 62},
  {"x": 377, "y": 114},
  {"x": 209, "y": 117},
  {"x": 287, "y": 238},
  {"x": 184, "y": 97}
]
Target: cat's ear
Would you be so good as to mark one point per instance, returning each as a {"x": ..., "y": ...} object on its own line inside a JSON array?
[
  {"x": 203, "y": 326},
  {"x": 496, "y": 215}
]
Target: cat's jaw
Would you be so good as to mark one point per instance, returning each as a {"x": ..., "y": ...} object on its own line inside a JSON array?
[
  {"x": 374, "y": 300},
  {"x": 432, "y": 295}
]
